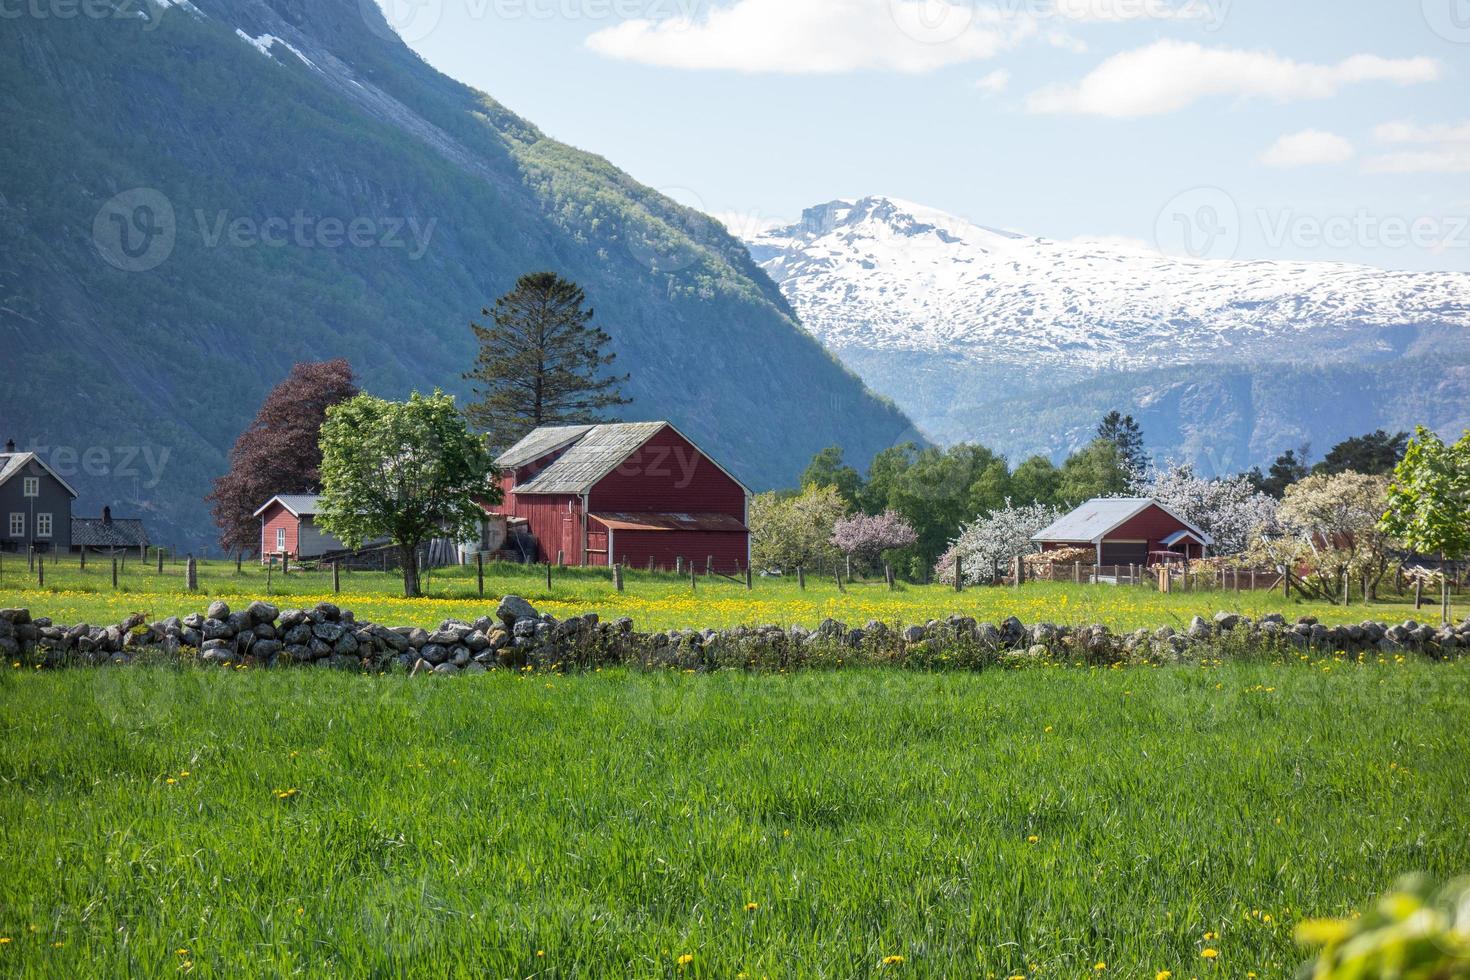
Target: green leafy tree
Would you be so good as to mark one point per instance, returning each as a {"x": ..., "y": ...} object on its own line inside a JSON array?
[
  {"x": 407, "y": 471},
  {"x": 1429, "y": 501},
  {"x": 1375, "y": 454},
  {"x": 884, "y": 473},
  {"x": 541, "y": 362},
  {"x": 827, "y": 469},
  {"x": 1122, "y": 431},
  {"x": 787, "y": 531},
  {"x": 1036, "y": 481},
  {"x": 1415, "y": 932},
  {"x": 1095, "y": 471}
]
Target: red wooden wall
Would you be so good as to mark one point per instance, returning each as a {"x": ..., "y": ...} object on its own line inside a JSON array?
[
  {"x": 279, "y": 517},
  {"x": 728, "y": 548},
  {"x": 669, "y": 475}
]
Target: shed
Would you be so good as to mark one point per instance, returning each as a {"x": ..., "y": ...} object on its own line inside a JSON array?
[
  {"x": 109, "y": 534},
  {"x": 1126, "y": 531}
]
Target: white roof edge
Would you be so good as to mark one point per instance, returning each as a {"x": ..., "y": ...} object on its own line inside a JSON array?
[
  {"x": 1144, "y": 504},
  {"x": 278, "y": 498},
  {"x": 47, "y": 467},
  {"x": 707, "y": 456}
]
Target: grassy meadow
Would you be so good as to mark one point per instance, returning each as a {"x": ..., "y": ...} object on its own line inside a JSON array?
[
  {"x": 654, "y": 601},
  {"x": 1052, "y": 822}
]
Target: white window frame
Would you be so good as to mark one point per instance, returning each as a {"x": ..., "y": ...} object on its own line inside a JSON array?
[
  {"x": 44, "y": 525},
  {"x": 17, "y": 524},
  {"x": 31, "y": 486},
  {"x": 280, "y": 539}
]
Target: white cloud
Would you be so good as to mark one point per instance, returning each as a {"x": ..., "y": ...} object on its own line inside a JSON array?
[
  {"x": 1438, "y": 149},
  {"x": 994, "y": 83},
  {"x": 1167, "y": 76},
  {"x": 748, "y": 224},
  {"x": 1124, "y": 11},
  {"x": 1304, "y": 149},
  {"x": 818, "y": 36}
]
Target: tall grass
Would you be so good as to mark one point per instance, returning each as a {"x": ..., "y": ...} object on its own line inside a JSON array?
[
  {"x": 1013, "y": 823},
  {"x": 655, "y": 601}
]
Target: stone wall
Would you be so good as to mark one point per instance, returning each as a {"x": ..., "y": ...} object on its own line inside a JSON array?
[{"x": 518, "y": 636}]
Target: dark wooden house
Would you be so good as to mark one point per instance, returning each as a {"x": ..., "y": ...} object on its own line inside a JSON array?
[
  {"x": 630, "y": 493},
  {"x": 35, "y": 504},
  {"x": 109, "y": 535}
]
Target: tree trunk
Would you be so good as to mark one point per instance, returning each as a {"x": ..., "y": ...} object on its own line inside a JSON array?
[{"x": 408, "y": 556}]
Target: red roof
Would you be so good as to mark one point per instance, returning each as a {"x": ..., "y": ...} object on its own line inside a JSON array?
[{"x": 622, "y": 521}]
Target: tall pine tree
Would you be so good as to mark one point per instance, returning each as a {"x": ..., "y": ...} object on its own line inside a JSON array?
[
  {"x": 1122, "y": 431},
  {"x": 541, "y": 362}
]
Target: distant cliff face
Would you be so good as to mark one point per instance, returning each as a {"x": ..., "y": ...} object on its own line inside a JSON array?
[
  {"x": 196, "y": 195},
  {"x": 1023, "y": 342}
]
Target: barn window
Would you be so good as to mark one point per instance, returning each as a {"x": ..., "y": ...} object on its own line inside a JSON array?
[
  {"x": 280, "y": 539},
  {"x": 43, "y": 525},
  {"x": 32, "y": 486},
  {"x": 17, "y": 525}
]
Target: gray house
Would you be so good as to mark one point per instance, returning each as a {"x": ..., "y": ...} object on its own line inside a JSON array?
[
  {"x": 35, "y": 504},
  {"x": 109, "y": 535}
]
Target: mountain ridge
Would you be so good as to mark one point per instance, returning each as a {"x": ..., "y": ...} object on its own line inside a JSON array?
[
  {"x": 957, "y": 321},
  {"x": 230, "y": 114}
]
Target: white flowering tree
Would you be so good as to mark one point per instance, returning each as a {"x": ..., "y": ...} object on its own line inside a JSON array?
[
  {"x": 864, "y": 537},
  {"x": 1328, "y": 532},
  {"x": 1228, "y": 509},
  {"x": 991, "y": 541}
]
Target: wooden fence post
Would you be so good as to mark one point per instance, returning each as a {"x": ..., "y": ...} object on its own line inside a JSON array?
[
  {"x": 239, "y": 559},
  {"x": 84, "y": 560},
  {"x": 888, "y": 576},
  {"x": 191, "y": 573},
  {"x": 800, "y": 578},
  {"x": 270, "y": 566},
  {"x": 709, "y": 564},
  {"x": 336, "y": 578},
  {"x": 1018, "y": 570},
  {"x": 837, "y": 574},
  {"x": 679, "y": 565},
  {"x": 1076, "y": 573},
  {"x": 1418, "y": 593},
  {"x": 114, "y": 574},
  {"x": 693, "y": 578},
  {"x": 548, "y": 574},
  {"x": 618, "y": 577},
  {"x": 41, "y": 573},
  {"x": 749, "y": 579},
  {"x": 480, "y": 573},
  {"x": 285, "y": 563},
  {"x": 959, "y": 573},
  {"x": 650, "y": 564},
  {"x": 30, "y": 558},
  {"x": 561, "y": 558}
]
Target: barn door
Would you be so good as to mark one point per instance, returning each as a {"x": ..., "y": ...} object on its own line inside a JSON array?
[{"x": 570, "y": 547}]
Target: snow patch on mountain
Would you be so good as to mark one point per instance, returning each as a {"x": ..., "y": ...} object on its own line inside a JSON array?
[{"x": 881, "y": 274}]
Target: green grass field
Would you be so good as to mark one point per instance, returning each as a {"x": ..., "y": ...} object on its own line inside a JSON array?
[
  {"x": 658, "y": 601},
  {"x": 1010, "y": 823}
]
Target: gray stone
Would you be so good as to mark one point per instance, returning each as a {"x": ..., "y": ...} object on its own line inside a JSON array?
[
  {"x": 328, "y": 611},
  {"x": 1226, "y": 621},
  {"x": 446, "y": 669},
  {"x": 513, "y": 609},
  {"x": 218, "y": 610},
  {"x": 262, "y": 612}
]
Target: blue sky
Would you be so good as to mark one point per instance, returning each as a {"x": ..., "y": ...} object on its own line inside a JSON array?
[{"x": 1245, "y": 128}]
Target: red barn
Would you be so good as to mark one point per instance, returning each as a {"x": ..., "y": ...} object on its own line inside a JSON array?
[
  {"x": 1126, "y": 531},
  {"x": 629, "y": 493}
]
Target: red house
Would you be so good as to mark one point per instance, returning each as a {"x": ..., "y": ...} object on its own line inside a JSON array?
[
  {"x": 288, "y": 527},
  {"x": 628, "y": 493},
  {"x": 1126, "y": 531}
]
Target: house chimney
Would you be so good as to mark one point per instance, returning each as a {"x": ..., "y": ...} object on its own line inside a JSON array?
[
  {"x": 106, "y": 515},
  {"x": 10, "y": 445}
]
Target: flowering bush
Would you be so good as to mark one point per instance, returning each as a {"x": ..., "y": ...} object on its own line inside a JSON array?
[
  {"x": 865, "y": 537},
  {"x": 991, "y": 541},
  {"x": 1230, "y": 510}
]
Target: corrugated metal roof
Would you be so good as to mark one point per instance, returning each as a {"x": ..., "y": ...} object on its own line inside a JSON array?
[
  {"x": 623, "y": 521},
  {"x": 539, "y": 442},
  {"x": 300, "y": 504},
  {"x": 93, "y": 532},
  {"x": 1179, "y": 536},
  {"x": 1093, "y": 519},
  {"x": 592, "y": 457}
]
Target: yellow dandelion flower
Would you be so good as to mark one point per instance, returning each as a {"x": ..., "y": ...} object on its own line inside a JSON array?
[
  {"x": 1210, "y": 954},
  {"x": 751, "y": 906},
  {"x": 540, "y": 952},
  {"x": 1209, "y": 936},
  {"x": 1099, "y": 966},
  {"x": 170, "y": 780},
  {"x": 1032, "y": 839},
  {"x": 685, "y": 959},
  {"x": 894, "y": 960},
  {"x": 4, "y": 940},
  {"x": 1048, "y": 729},
  {"x": 1163, "y": 975}
]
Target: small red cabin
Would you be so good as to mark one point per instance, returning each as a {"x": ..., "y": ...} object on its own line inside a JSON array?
[
  {"x": 1126, "y": 531},
  {"x": 630, "y": 493}
]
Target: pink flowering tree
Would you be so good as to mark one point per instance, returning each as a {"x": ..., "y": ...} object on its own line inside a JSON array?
[{"x": 864, "y": 537}]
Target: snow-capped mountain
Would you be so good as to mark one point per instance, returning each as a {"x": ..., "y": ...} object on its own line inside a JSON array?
[{"x": 951, "y": 319}]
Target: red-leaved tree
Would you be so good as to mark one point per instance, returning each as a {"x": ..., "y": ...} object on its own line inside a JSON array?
[{"x": 279, "y": 452}]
